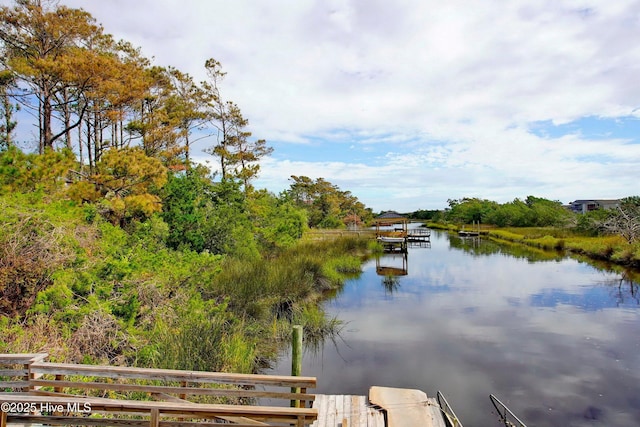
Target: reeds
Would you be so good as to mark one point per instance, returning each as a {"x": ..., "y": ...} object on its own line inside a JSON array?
[{"x": 610, "y": 248}]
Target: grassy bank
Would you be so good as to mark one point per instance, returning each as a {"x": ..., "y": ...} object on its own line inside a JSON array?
[{"x": 613, "y": 249}]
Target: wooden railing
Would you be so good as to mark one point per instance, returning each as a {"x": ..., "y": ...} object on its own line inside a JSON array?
[
  {"x": 14, "y": 369},
  {"x": 36, "y": 391}
]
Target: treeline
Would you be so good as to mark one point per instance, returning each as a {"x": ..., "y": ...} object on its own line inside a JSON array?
[
  {"x": 93, "y": 95},
  {"x": 623, "y": 221},
  {"x": 328, "y": 206},
  {"x": 531, "y": 212}
]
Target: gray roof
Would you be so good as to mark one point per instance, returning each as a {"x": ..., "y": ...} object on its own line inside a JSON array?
[
  {"x": 390, "y": 215},
  {"x": 596, "y": 200}
]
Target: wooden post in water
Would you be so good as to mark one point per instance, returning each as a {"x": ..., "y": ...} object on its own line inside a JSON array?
[{"x": 296, "y": 359}]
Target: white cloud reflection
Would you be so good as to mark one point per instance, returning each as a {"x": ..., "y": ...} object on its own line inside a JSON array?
[{"x": 551, "y": 338}]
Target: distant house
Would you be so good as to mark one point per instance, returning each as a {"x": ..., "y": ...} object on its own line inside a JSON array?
[{"x": 584, "y": 206}]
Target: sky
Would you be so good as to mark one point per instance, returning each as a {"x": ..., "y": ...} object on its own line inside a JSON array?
[{"x": 410, "y": 103}]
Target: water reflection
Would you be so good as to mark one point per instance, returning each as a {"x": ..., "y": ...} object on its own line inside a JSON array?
[
  {"x": 554, "y": 338},
  {"x": 483, "y": 246},
  {"x": 390, "y": 283},
  {"x": 395, "y": 264}
]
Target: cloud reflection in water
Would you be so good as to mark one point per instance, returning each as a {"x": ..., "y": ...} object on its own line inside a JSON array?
[{"x": 555, "y": 340}]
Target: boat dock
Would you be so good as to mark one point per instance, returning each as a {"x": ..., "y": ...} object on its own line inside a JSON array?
[
  {"x": 399, "y": 240},
  {"x": 385, "y": 407},
  {"x": 393, "y": 232},
  {"x": 419, "y": 235}
]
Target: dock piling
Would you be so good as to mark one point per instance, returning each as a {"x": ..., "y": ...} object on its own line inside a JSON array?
[{"x": 296, "y": 359}]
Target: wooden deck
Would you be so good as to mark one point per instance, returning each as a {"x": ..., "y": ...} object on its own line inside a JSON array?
[
  {"x": 346, "y": 411},
  {"x": 63, "y": 394},
  {"x": 68, "y": 391},
  {"x": 386, "y": 407}
]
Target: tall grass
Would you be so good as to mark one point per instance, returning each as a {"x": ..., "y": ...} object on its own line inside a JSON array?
[
  {"x": 250, "y": 305},
  {"x": 610, "y": 248},
  {"x": 299, "y": 273}
]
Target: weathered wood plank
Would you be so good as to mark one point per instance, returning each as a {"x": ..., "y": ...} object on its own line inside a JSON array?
[
  {"x": 331, "y": 411},
  {"x": 173, "y": 375},
  {"x": 375, "y": 418},
  {"x": 155, "y": 418},
  {"x": 405, "y": 407},
  {"x": 13, "y": 372},
  {"x": 346, "y": 411},
  {"x": 21, "y": 358},
  {"x": 13, "y": 384},
  {"x": 352, "y": 412},
  {"x": 320, "y": 404},
  {"x": 358, "y": 416},
  {"x": 169, "y": 389},
  {"x": 340, "y": 410},
  {"x": 243, "y": 420},
  {"x": 104, "y": 422},
  {"x": 187, "y": 410}
]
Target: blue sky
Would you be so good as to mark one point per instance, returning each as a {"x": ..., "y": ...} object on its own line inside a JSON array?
[{"x": 409, "y": 103}]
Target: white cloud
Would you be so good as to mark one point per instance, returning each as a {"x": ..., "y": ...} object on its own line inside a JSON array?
[{"x": 448, "y": 90}]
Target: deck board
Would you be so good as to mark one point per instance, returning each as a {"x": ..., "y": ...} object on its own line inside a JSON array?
[
  {"x": 346, "y": 411},
  {"x": 406, "y": 407}
]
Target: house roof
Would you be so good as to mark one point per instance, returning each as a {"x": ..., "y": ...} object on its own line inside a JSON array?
[
  {"x": 582, "y": 201},
  {"x": 390, "y": 216}
]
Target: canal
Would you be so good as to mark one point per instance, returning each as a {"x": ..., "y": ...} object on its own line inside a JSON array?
[{"x": 555, "y": 339}]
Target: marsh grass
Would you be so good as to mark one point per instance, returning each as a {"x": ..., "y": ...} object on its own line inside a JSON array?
[
  {"x": 316, "y": 325},
  {"x": 296, "y": 274},
  {"x": 265, "y": 298},
  {"x": 609, "y": 248},
  {"x": 598, "y": 247}
]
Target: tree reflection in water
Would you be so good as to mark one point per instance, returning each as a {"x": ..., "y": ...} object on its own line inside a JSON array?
[
  {"x": 390, "y": 283},
  {"x": 627, "y": 290},
  {"x": 391, "y": 267}
]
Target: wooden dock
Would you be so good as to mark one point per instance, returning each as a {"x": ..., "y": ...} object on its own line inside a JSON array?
[
  {"x": 398, "y": 239},
  {"x": 346, "y": 411},
  {"x": 386, "y": 407},
  {"x": 27, "y": 381},
  {"x": 419, "y": 235},
  {"x": 406, "y": 407}
]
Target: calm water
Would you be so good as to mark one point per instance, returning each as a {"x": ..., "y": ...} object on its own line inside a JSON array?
[{"x": 555, "y": 339}]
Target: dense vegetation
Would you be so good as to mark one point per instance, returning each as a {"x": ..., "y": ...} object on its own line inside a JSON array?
[
  {"x": 612, "y": 235},
  {"x": 531, "y": 212},
  {"x": 115, "y": 246},
  {"x": 83, "y": 288}
]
